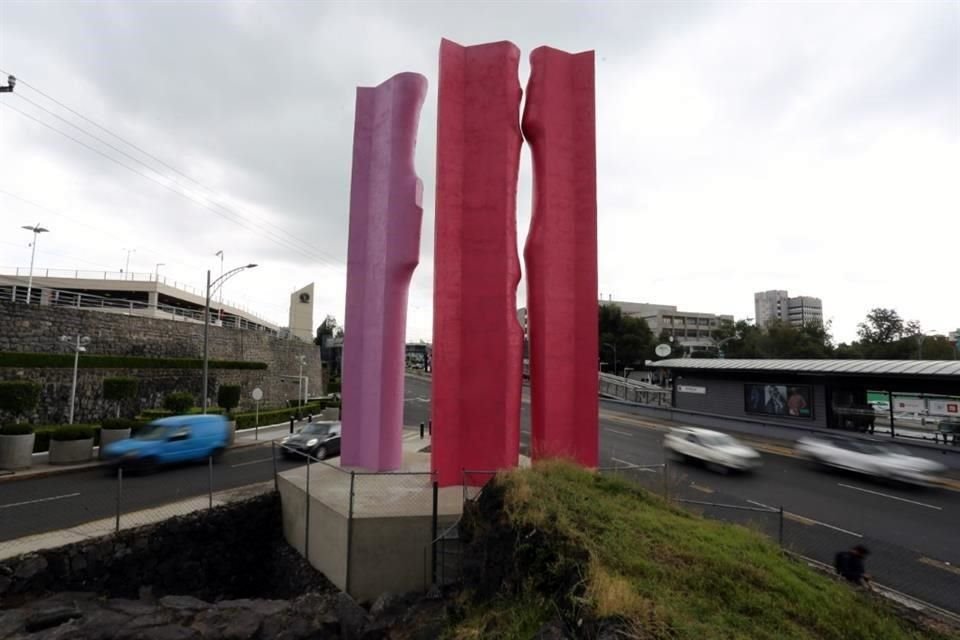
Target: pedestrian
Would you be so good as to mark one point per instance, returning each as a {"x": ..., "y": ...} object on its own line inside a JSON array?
[{"x": 850, "y": 565}]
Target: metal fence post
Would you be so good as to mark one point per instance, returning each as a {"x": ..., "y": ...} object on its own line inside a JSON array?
[
  {"x": 353, "y": 478},
  {"x": 433, "y": 545},
  {"x": 119, "y": 493},
  {"x": 210, "y": 470},
  {"x": 306, "y": 526},
  {"x": 421, "y": 431},
  {"x": 780, "y": 538},
  {"x": 273, "y": 454}
]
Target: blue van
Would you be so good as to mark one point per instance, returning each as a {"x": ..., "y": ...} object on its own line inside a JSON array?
[{"x": 171, "y": 440}]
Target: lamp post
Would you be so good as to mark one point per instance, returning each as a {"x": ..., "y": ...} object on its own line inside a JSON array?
[
  {"x": 723, "y": 342},
  {"x": 80, "y": 345},
  {"x": 37, "y": 230},
  {"x": 301, "y": 360},
  {"x": 614, "y": 347},
  {"x": 206, "y": 321},
  {"x": 126, "y": 268},
  {"x": 156, "y": 271},
  {"x": 220, "y": 297}
]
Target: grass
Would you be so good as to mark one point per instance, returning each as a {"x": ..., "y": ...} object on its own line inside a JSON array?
[{"x": 658, "y": 571}]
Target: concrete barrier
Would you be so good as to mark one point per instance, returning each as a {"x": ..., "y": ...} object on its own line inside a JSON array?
[
  {"x": 71, "y": 451},
  {"x": 16, "y": 451}
]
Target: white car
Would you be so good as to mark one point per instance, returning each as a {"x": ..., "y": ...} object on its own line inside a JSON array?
[
  {"x": 870, "y": 457},
  {"x": 717, "y": 450}
]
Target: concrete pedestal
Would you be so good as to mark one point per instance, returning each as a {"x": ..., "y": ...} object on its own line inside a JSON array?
[
  {"x": 15, "y": 451},
  {"x": 70, "y": 451}
]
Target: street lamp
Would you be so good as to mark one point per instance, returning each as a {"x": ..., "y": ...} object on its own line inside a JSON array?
[
  {"x": 614, "y": 347},
  {"x": 80, "y": 345},
  {"x": 126, "y": 271},
  {"x": 220, "y": 253},
  {"x": 156, "y": 271},
  {"x": 206, "y": 320},
  {"x": 37, "y": 230},
  {"x": 301, "y": 360},
  {"x": 723, "y": 342}
]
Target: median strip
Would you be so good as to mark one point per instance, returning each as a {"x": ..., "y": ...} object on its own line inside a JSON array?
[{"x": 946, "y": 566}]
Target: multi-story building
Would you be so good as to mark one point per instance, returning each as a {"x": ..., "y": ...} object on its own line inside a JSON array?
[
  {"x": 692, "y": 330},
  {"x": 776, "y": 304}
]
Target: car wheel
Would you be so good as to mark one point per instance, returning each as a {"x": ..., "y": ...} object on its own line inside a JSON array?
[
  {"x": 320, "y": 453},
  {"x": 716, "y": 467},
  {"x": 218, "y": 454}
]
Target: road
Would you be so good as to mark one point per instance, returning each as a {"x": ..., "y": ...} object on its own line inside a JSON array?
[{"x": 912, "y": 532}]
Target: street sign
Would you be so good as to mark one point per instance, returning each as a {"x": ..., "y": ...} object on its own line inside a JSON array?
[
  {"x": 257, "y": 394},
  {"x": 662, "y": 350}
]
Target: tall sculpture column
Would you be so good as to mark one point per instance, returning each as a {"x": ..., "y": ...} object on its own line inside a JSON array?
[
  {"x": 383, "y": 251},
  {"x": 477, "y": 341},
  {"x": 561, "y": 256}
]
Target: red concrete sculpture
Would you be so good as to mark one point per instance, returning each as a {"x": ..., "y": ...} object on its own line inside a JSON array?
[
  {"x": 477, "y": 341},
  {"x": 383, "y": 251},
  {"x": 561, "y": 256}
]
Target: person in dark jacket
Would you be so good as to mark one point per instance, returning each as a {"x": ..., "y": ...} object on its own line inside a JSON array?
[{"x": 850, "y": 565}]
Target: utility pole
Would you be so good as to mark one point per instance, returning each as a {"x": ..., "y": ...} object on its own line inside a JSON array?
[
  {"x": 206, "y": 322},
  {"x": 81, "y": 345},
  {"x": 220, "y": 303},
  {"x": 156, "y": 271}
]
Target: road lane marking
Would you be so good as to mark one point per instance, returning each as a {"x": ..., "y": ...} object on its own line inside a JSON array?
[
  {"x": 946, "y": 566},
  {"x": 622, "y": 433},
  {"x": 243, "y": 464},
  {"x": 696, "y": 486},
  {"x": 887, "y": 495},
  {"x": 636, "y": 467},
  {"x": 800, "y": 519},
  {"x": 806, "y": 520},
  {"x": 26, "y": 502}
]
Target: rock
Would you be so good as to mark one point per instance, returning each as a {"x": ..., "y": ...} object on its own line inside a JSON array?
[
  {"x": 5, "y": 583},
  {"x": 260, "y": 607},
  {"x": 51, "y": 617},
  {"x": 382, "y": 604},
  {"x": 155, "y": 619},
  {"x": 434, "y": 593},
  {"x": 183, "y": 602},
  {"x": 78, "y": 563},
  {"x": 31, "y": 565},
  {"x": 283, "y": 628},
  {"x": 145, "y": 593},
  {"x": 376, "y": 630},
  {"x": 312, "y": 606},
  {"x": 131, "y": 608},
  {"x": 167, "y": 632},
  {"x": 12, "y": 621},
  {"x": 553, "y": 630},
  {"x": 243, "y": 625},
  {"x": 101, "y": 624},
  {"x": 353, "y": 619}
]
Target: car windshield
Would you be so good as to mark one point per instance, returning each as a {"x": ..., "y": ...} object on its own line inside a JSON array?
[
  {"x": 718, "y": 440},
  {"x": 152, "y": 431},
  {"x": 315, "y": 430}
]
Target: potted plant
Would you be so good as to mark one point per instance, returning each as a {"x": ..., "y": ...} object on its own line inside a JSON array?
[
  {"x": 179, "y": 402},
  {"x": 120, "y": 389},
  {"x": 114, "y": 429},
  {"x": 16, "y": 446},
  {"x": 228, "y": 397},
  {"x": 70, "y": 444}
]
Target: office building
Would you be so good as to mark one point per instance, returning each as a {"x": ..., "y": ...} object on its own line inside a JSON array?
[
  {"x": 691, "y": 330},
  {"x": 776, "y": 304}
]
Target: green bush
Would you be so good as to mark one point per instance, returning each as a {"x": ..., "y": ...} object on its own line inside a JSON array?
[
  {"x": 118, "y": 389},
  {"x": 65, "y": 361},
  {"x": 19, "y": 396},
  {"x": 178, "y": 402},
  {"x": 228, "y": 396},
  {"x": 333, "y": 386},
  {"x": 120, "y": 424},
  {"x": 247, "y": 420},
  {"x": 153, "y": 414},
  {"x": 70, "y": 432},
  {"x": 45, "y": 432},
  {"x": 16, "y": 430}
]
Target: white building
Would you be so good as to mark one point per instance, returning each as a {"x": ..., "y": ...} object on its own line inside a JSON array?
[{"x": 776, "y": 304}]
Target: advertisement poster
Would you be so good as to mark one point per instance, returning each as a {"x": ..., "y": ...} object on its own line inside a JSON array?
[{"x": 791, "y": 401}]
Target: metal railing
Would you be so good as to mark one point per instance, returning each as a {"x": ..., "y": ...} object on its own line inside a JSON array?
[{"x": 640, "y": 393}]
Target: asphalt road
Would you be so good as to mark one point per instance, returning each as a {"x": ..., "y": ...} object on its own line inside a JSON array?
[{"x": 912, "y": 532}]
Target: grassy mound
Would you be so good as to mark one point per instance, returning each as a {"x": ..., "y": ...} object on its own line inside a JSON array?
[{"x": 598, "y": 557}]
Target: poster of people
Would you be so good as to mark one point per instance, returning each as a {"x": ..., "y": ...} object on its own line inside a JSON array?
[{"x": 794, "y": 401}]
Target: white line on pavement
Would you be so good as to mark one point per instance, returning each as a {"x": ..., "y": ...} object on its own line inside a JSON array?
[
  {"x": 636, "y": 466},
  {"x": 887, "y": 495},
  {"x": 617, "y": 431},
  {"x": 243, "y": 464},
  {"x": 822, "y": 524},
  {"x": 20, "y": 504}
]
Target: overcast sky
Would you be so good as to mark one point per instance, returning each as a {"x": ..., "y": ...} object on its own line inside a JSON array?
[{"x": 813, "y": 147}]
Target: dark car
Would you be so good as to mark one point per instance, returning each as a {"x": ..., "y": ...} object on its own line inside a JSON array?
[{"x": 318, "y": 439}]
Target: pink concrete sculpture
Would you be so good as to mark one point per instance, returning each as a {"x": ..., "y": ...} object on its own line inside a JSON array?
[
  {"x": 383, "y": 251},
  {"x": 561, "y": 256},
  {"x": 477, "y": 341}
]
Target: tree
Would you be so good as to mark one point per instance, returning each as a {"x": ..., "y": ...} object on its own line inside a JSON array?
[
  {"x": 882, "y": 326},
  {"x": 327, "y": 329},
  {"x": 19, "y": 397},
  {"x": 630, "y": 336},
  {"x": 120, "y": 389},
  {"x": 178, "y": 402},
  {"x": 228, "y": 397}
]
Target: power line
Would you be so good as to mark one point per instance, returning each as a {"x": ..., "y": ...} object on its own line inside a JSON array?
[
  {"x": 278, "y": 240},
  {"x": 330, "y": 260}
]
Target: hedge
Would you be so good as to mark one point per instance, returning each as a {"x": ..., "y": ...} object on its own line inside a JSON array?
[
  {"x": 120, "y": 424},
  {"x": 19, "y": 396},
  {"x": 228, "y": 396},
  {"x": 118, "y": 389},
  {"x": 42, "y": 441},
  {"x": 65, "y": 361},
  {"x": 70, "y": 432},
  {"x": 247, "y": 420},
  {"x": 178, "y": 402},
  {"x": 16, "y": 430}
]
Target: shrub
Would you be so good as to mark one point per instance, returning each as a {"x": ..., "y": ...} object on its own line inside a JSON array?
[
  {"x": 65, "y": 361},
  {"x": 16, "y": 430},
  {"x": 178, "y": 402},
  {"x": 120, "y": 389},
  {"x": 228, "y": 396},
  {"x": 120, "y": 424},
  {"x": 19, "y": 396},
  {"x": 153, "y": 414},
  {"x": 69, "y": 432},
  {"x": 333, "y": 386},
  {"x": 247, "y": 420}
]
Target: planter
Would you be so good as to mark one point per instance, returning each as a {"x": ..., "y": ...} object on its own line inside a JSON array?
[
  {"x": 16, "y": 451},
  {"x": 231, "y": 432},
  {"x": 71, "y": 451},
  {"x": 109, "y": 436}
]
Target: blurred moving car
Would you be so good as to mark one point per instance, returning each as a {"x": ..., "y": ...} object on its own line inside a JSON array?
[
  {"x": 171, "y": 440},
  {"x": 717, "y": 450},
  {"x": 318, "y": 439},
  {"x": 870, "y": 457}
]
